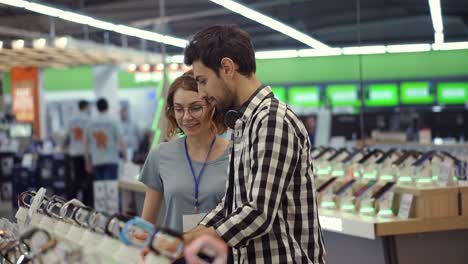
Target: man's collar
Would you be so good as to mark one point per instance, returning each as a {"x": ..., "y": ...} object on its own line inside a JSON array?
[{"x": 254, "y": 101}]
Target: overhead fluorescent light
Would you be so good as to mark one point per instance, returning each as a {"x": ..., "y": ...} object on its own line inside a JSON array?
[
  {"x": 43, "y": 9},
  {"x": 451, "y": 46},
  {"x": 39, "y": 43},
  {"x": 75, "y": 17},
  {"x": 436, "y": 15},
  {"x": 90, "y": 21},
  {"x": 270, "y": 22},
  {"x": 17, "y": 44},
  {"x": 17, "y": 3},
  {"x": 408, "y": 48},
  {"x": 319, "y": 52},
  {"x": 102, "y": 24},
  {"x": 439, "y": 38},
  {"x": 276, "y": 54},
  {"x": 364, "y": 50}
]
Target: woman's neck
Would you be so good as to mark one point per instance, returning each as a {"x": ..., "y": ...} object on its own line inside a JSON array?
[{"x": 200, "y": 143}]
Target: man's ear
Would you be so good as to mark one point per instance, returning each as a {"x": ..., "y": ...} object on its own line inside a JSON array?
[{"x": 228, "y": 67}]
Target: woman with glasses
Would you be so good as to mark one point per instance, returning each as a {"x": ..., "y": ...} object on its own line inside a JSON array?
[{"x": 189, "y": 172}]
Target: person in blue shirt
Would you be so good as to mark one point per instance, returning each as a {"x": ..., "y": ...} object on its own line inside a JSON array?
[
  {"x": 79, "y": 180},
  {"x": 104, "y": 143}
]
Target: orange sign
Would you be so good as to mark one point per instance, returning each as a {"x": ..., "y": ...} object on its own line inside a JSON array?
[{"x": 25, "y": 96}]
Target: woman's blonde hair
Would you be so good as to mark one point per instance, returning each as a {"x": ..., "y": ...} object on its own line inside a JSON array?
[{"x": 187, "y": 82}]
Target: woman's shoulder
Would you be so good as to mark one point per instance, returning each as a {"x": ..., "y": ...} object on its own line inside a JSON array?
[
  {"x": 167, "y": 148},
  {"x": 226, "y": 146}
]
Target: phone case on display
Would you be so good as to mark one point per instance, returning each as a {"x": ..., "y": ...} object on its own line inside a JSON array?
[
  {"x": 386, "y": 156},
  {"x": 345, "y": 187},
  {"x": 351, "y": 156},
  {"x": 325, "y": 185},
  {"x": 321, "y": 154},
  {"x": 369, "y": 155},
  {"x": 364, "y": 188},
  {"x": 402, "y": 158},
  {"x": 337, "y": 154},
  {"x": 426, "y": 156},
  {"x": 382, "y": 190}
]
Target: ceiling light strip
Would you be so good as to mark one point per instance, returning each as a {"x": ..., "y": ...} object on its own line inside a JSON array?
[
  {"x": 271, "y": 23},
  {"x": 437, "y": 23},
  {"x": 90, "y": 21}
]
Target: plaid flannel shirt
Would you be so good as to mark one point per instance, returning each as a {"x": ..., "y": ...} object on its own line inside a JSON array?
[{"x": 269, "y": 213}]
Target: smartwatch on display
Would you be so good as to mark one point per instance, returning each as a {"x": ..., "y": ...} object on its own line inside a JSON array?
[
  {"x": 25, "y": 199},
  {"x": 137, "y": 232},
  {"x": 54, "y": 205},
  {"x": 81, "y": 216},
  {"x": 167, "y": 243},
  {"x": 115, "y": 224},
  {"x": 97, "y": 221},
  {"x": 69, "y": 208}
]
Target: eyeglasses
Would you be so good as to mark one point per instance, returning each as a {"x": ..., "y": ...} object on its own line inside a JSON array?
[
  {"x": 195, "y": 111},
  {"x": 167, "y": 243}
]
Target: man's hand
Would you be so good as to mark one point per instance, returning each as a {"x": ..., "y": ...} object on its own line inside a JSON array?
[
  {"x": 199, "y": 231},
  {"x": 209, "y": 246}
]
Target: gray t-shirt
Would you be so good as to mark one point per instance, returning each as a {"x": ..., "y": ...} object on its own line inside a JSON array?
[
  {"x": 166, "y": 170},
  {"x": 103, "y": 134},
  {"x": 77, "y": 130}
]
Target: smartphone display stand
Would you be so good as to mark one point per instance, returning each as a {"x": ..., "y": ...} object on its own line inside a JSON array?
[
  {"x": 326, "y": 199},
  {"x": 384, "y": 205}
]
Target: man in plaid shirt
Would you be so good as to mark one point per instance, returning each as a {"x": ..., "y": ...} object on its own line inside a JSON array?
[{"x": 269, "y": 213}]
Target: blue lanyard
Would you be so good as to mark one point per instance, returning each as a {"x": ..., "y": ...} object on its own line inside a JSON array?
[{"x": 195, "y": 178}]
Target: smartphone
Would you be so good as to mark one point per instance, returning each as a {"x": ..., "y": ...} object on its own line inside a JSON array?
[
  {"x": 368, "y": 156},
  {"x": 326, "y": 184},
  {"x": 351, "y": 156},
  {"x": 382, "y": 190},
  {"x": 423, "y": 158},
  {"x": 344, "y": 187},
  {"x": 323, "y": 152},
  {"x": 364, "y": 188},
  {"x": 386, "y": 156},
  {"x": 402, "y": 158},
  {"x": 338, "y": 153}
]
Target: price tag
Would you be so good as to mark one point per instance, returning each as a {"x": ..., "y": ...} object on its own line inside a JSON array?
[{"x": 405, "y": 206}]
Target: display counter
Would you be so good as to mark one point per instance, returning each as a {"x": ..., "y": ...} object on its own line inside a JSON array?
[{"x": 352, "y": 238}]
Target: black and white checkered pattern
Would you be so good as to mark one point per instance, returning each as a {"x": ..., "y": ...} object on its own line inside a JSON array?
[{"x": 273, "y": 216}]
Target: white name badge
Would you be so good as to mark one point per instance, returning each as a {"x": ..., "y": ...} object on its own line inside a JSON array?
[{"x": 191, "y": 221}]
